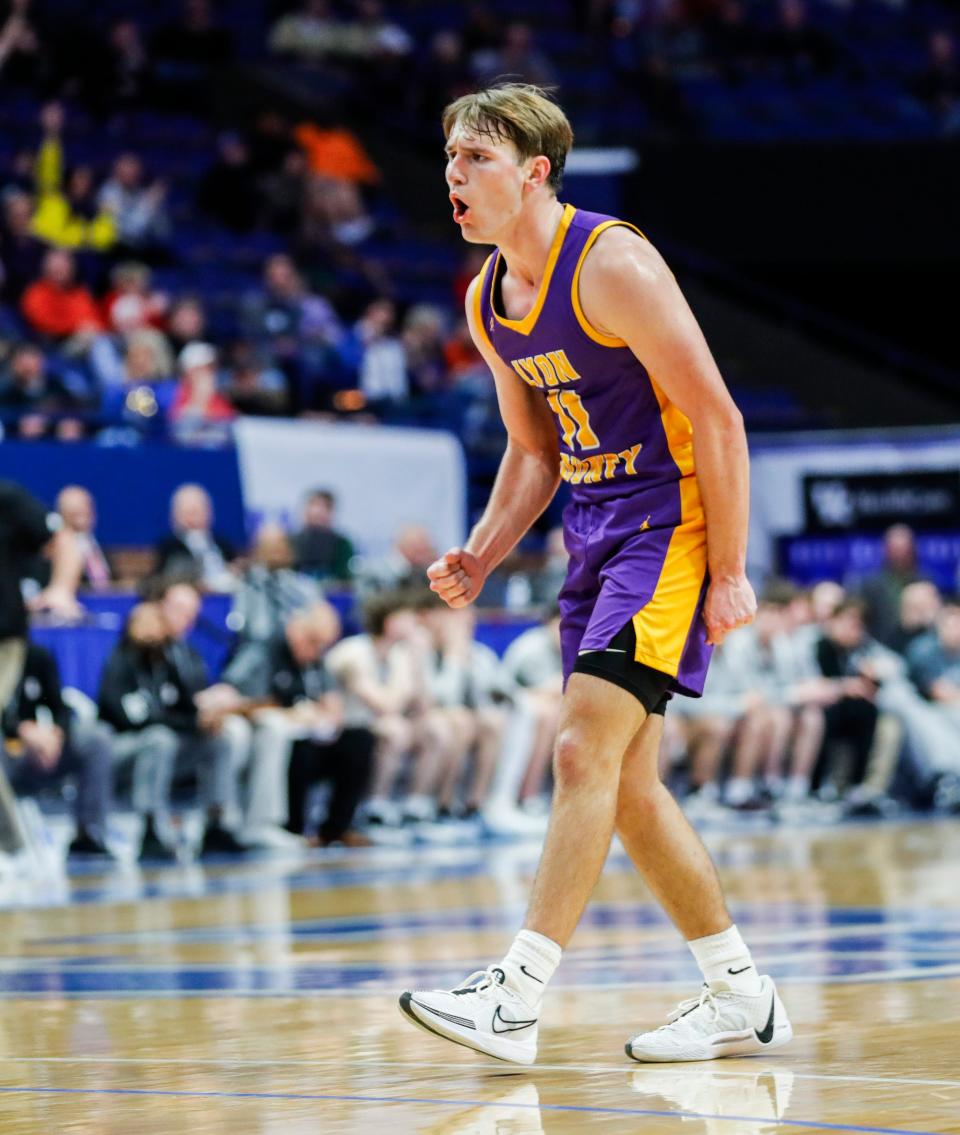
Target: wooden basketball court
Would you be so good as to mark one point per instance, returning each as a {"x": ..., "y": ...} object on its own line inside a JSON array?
[{"x": 262, "y": 998}]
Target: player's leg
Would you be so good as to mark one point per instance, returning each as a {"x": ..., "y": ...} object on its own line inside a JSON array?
[
  {"x": 750, "y": 749},
  {"x": 303, "y": 773},
  {"x": 268, "y": 805},
  {"x": 739, "y": 1012},
  {"x": 459, "y": 730},
  {"x": 663, "y": 846},
  {"x": 709, "y": 739},
  {"x": 347, "y": 763},
  {"x": 496, "y": 1012},
  {"x": 775, "y": 758},
  {"x": 597, "y": 723},
  {"x": 546, "y": 706},
  {"x": 807, "y": 741},
  {"x": 491, "y": 724},
  {"x": 432, "y": 757},
  {"x": 394, "y": 741}
]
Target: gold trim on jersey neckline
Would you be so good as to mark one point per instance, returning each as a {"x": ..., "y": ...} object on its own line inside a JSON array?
[{"x": 526, "y": 325}]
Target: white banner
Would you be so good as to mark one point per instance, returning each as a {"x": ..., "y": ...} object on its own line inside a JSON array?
[
  {"x": 383, "y": 478},
  {"x": 778, "y": 466}
]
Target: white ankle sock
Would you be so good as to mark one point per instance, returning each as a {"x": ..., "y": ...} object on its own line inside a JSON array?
[
  {"x": 529, "y": 965},
  {"x": 725, "y": 957},
  {"x": 798, "y": 787},
  {"x": 739, "y": 790}
]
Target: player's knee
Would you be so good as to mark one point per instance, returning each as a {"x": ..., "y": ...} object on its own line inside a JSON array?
[
  {"x": 435, "y": 727},
  {"x": 462, "y": 725},
  {"x": 575, "y": 762},
  {"x": 491, "y": 721},
  {"x": 395, "y": 733},
  {"x": 754, "y": 720},
  {"x": 810, "y": 718},
  {"x": 717, "y": 729}
]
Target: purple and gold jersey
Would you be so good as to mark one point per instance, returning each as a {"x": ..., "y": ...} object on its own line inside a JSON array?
[{"x": 635, "y": 526}]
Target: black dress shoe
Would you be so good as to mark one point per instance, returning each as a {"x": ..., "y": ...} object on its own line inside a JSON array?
[
  {"x": 87, "y": 845},
  {"x": 153, "y": 849},
  {"x": 220, "y": 841}
]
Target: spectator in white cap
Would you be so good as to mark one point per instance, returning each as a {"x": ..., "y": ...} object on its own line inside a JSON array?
[{"x": 200, "y": 415}]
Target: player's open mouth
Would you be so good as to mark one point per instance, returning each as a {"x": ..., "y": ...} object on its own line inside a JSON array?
[{"x": 460, "y": 208}]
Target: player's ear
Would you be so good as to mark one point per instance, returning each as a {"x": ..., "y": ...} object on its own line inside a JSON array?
[{"x": 538, "y": 171}]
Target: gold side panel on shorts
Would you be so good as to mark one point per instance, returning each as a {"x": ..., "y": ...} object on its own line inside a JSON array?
[{"x": 662, "y": 626}]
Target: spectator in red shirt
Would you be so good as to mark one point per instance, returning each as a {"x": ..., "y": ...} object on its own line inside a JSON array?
[
  {"x": 56, "y": 305},
  {"x": 132, "y": 304},
  {"x": 200, "y": 415}
]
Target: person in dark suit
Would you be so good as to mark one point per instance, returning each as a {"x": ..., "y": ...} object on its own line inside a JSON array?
[
  {"x": 193, "y": 550},
  {"x": 44, "y": 743},
  {"x": 210, "y": 751},
  {"x": 269, "y": 591},
  {"x": 149, "y": 700},
  {"x": 307, "y": 734},
  {"x": 332, "y": 751}
]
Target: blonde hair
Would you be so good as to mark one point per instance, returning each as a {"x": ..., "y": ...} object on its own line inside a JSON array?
[
  {"x": 156, "y": 343},
  {"x": 519, "y": 113}
]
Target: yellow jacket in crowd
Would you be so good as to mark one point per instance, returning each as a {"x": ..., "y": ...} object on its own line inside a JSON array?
[{"x": 54, "y": 219}]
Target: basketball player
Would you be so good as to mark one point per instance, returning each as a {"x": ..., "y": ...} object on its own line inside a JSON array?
[{"x": 603, "y": 379}]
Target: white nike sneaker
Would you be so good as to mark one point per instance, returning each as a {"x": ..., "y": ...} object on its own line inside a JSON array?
[
  {"x": 482, "y": 1014},
  {"x": 720, "y": 1022}
]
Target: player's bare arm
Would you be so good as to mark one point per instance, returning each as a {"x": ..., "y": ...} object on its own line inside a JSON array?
[
  {"x": 526, "y": 481},
  {"x": 628, "y": 291}
]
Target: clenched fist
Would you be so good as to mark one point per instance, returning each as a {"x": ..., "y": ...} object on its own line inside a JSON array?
[
  {"x": 730, "y": 603},
  {"x": 457, "y": 577}
]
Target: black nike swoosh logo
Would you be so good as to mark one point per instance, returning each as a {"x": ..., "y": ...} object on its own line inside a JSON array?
[
  {"x": 511, "y": 1026},
  {"x": 539, "y": 981},
  {"x": 734, "y": 972},
  {"x": 462, "y": 1021},
  {"x": 765, "y": 1035}
]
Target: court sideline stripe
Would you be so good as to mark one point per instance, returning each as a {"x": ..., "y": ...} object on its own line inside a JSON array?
[
  {"x": 293, "y": 993},
  {"x": 578, "y": 1108},
  {"x": 588, "y": 1069},
  {"x": 909, "y": 919},
  {"x": 78, "y": 963}
]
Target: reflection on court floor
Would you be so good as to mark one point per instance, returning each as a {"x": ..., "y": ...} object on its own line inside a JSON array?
[{"x": 261, "y": 998}]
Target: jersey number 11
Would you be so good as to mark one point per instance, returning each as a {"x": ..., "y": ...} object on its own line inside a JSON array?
[{"x": 574, "y": 419}]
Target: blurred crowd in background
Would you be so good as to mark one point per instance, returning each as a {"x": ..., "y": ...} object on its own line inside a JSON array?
[
  {"x": 96, "y": 349},
  {"x": 386, "y": 718},
  {"x": 167, "y": 266}
]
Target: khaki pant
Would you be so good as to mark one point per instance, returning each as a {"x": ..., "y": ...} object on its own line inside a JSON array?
[{"x": 13, "y": 653}]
